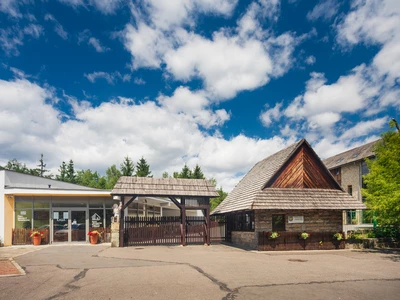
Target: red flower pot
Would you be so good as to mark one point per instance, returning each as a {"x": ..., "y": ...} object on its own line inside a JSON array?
[
  {"x": 37, "y": 240},
  {"x": 94, "y": 238}
]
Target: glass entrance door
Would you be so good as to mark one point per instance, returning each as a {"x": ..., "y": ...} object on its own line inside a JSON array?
[
  {"x": 78, "y": 226},
  {"x": 60, "y": 225},
  {"x": 69, "y": 225}
]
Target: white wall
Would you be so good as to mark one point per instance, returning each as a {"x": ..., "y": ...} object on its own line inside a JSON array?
[{"x": 2, "y": 180}]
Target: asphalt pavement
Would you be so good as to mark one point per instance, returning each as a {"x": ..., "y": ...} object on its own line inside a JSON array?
[{"x": 199, "y": 272}]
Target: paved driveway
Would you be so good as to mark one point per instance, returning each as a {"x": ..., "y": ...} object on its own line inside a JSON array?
[{"x": 200, "y": 272}]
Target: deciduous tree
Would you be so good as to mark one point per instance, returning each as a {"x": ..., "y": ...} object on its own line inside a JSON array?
[{"x": 382, "y": 192}]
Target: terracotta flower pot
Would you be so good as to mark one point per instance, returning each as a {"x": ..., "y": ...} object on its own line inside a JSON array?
[
  {"x": 94, "y": 239},
  {"x": 37, "y": 240}
]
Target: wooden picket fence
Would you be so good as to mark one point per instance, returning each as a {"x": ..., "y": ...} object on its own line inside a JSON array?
[
  {"x": 292, "y": 241},
  {"x": 169, "y": 231},
  {"x": 21, "y": 236}
]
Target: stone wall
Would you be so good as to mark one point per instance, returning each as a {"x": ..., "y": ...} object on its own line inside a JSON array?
[
  {"x": 351, "y": 176},
  {"x": 114, "y": 233},
  {"x": 314, "y": 220},
  {"x": 245, "y": 239}
]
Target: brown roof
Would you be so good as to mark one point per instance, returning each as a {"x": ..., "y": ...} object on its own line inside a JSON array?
[
  {"x": 273, "y": 198},
  {"x": 146, "y": 186},
  {"x": 251, "y": 194},
  {"x": 349, "y": 156}
]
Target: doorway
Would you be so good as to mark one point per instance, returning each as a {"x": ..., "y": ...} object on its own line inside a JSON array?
[{"x": 69, "y": 225}]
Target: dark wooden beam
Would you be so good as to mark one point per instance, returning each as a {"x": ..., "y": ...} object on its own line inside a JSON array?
[
  {"x": 121, "y": 224},
  {"x": 175, "y": 202},
  {"x": 208, "y": 223},
  {"x": 198, "y": 207},
  {"x": 128, "y": 202},
  {"x": 183, "y": 221}
]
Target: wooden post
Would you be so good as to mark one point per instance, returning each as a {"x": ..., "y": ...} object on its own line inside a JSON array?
[
  {"x": 183, "y": 221},
  {"x": 208, "y": 226},
  {"x": 121, "y": 223}
]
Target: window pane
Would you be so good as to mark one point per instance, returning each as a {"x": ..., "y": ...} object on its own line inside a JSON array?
[
  {"x": 23, "y": 202},
  {"x": 41, "y": 202},
  {"x": 109, "y": 214},
  {"x": 110, "y": 203},
  {"x": 23, "y": 218},
  {"x": 41, "y": 219},
  {"x": 278, "y": 222},
  {"x": 96, "y": 203},
  {"x": 96, "y": 218},
  {"x": 70, "y": 201}
]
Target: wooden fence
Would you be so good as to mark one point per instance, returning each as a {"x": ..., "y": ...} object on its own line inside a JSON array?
[
  {"x": 152, "y": 231},
  {"x": 218, "y": 229},
  {"x": 168, "y": 230},
  {"x": 292, "y": 241},
  {"x": 21, "y": 236}
]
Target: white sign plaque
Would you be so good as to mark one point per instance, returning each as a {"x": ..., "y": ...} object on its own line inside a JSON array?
[
  {"x": 55, "y": 215},
  {"x": 66, "y": 215},
  {"x": 295, "y": 219}
]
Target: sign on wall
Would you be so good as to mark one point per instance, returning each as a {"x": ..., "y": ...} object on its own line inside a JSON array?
[{"x": 295, "y": 219}]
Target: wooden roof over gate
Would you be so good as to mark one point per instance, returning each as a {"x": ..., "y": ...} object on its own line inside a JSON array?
[
  {"x": 178, "y": 187},
  {"x": 293, "y": 178}
]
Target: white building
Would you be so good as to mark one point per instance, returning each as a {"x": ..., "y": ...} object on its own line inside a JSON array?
[{"x": 64, "y": 211}]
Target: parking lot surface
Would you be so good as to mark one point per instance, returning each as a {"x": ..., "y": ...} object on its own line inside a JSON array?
[{"x": 200, "y": 272}]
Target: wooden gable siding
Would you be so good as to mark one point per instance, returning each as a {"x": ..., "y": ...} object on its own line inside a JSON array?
[{"x": 303, "y": 170}]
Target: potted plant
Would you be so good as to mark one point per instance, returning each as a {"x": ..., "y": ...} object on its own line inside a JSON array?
[
  {"x": 272, "y": 235},
  {"x": 94, "y": 236},
  {"x": 338, "y": 236},
  {"x": 304, "y": 235},
  {"x": 36, "y": 237}
]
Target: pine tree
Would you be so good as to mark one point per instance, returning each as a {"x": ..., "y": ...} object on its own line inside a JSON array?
[
  {"x": 197, "y": 173},
  {"x": 70, "y": 175},
  {"x": 41, "y": 170},
  {"x": 127, "y": 167},
  {"x": 186, "y": 172},
  {"x": 142, "y": 168},
  {"x": 63, "y": 172}
]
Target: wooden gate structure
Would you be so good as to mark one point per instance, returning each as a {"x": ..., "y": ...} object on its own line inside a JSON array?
[
  {"x": 186, "y": 194},
  {"x": 167, "y": 230}
]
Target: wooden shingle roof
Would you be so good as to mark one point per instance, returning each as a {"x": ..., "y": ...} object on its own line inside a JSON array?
[
  {"x": 253, "y": 191},
  {"x": 146, "y": 186},
  {"x": 349, "y": 156},
  {"x": 273, "y": 198}
]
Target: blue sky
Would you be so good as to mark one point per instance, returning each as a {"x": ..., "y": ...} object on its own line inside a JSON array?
[{"x": 221, "y": 83}]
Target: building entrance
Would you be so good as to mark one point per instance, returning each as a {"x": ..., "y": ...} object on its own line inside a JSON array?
[{"x": 69, "y": 225}]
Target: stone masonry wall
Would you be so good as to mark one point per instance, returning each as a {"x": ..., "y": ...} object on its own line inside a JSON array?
[
  {"x": 351, "y": 176},
  {"x": 245, "y": 239},
  {"x": 314, "y": 220}
]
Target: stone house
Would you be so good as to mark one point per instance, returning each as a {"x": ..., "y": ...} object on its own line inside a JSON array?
[
  {"x": 348, "y": 169},
  {"x": 290, "y": 191}
]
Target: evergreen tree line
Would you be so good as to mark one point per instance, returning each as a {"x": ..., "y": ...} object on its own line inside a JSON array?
[
  {"x": 67, "y": 172},
  {"x": 90, "y": 178}
]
